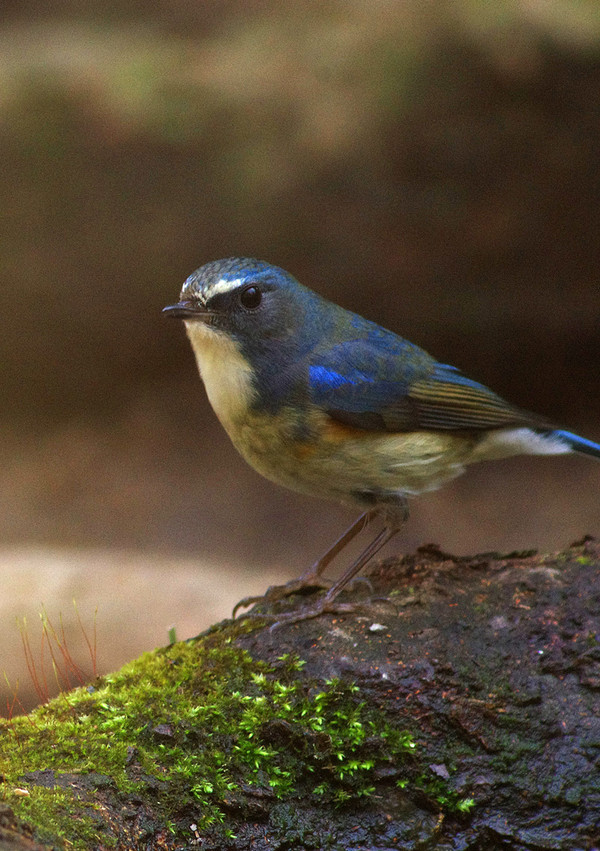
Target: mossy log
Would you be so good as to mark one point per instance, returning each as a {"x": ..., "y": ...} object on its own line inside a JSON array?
[{"x": 458, "y": 709}]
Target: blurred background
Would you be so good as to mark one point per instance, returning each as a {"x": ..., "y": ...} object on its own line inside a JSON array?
[{"x": 434, "y": 166}]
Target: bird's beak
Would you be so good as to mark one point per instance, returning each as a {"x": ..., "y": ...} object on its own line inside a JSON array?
[{"x": 186, "y": 310}]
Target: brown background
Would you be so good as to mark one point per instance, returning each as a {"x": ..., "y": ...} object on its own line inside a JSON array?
[{"x": 433, "y": 166}]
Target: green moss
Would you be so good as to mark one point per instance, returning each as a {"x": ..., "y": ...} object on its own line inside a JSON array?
[
  {"x": 448, "y": 800},
  {"x": 204, "y": 721},
  {"x": 52, "y": 812}
]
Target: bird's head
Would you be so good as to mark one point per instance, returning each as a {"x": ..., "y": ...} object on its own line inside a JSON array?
[{"x": 252, "y": 304}]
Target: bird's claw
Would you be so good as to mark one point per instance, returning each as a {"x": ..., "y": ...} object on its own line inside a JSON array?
[{"x": 308, "y": 612}]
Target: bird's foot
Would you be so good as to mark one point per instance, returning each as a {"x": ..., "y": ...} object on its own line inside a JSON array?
[
  {"x": 321, "y": 607},
  {"x": 305, "y": 584}
]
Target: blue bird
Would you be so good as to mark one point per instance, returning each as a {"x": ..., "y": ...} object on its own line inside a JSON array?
[{"x": 327, "y": 403}]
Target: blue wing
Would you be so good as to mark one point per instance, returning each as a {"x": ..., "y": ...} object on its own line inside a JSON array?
[{"x": 388, "y": 384}]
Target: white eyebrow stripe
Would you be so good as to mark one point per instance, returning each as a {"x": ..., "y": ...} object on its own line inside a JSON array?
[{"x": 225, "y": 285}]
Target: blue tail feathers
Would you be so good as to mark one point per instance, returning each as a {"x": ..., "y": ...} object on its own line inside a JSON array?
[{"x": 578, "y": 444}]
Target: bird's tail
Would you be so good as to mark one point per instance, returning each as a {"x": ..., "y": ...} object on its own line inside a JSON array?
[{"x": 574, "y": 442}]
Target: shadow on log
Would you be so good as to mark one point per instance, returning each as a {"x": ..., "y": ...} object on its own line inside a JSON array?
[{"x": 459, "y": 710}]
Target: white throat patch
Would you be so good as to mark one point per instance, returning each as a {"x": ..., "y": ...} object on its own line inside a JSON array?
[{"x": 226, "y": 375}]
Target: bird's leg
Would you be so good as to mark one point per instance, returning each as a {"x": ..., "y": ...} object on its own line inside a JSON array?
[
  {"x": 386, "y": 534},
  {"x": 313, "y": 574},
  {"x": 326, "y": 604},
  {"x": 311, "y": 578},
  {"x": 394, "y": 521}
]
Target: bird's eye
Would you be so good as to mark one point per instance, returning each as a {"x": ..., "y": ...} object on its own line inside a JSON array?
[{"x": 250, "y": 297}]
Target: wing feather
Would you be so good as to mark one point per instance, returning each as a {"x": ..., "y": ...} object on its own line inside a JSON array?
[{"x": 401, "y": 388}]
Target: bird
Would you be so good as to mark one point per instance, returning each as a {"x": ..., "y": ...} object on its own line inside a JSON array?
[{"x": 327, "y": 403}]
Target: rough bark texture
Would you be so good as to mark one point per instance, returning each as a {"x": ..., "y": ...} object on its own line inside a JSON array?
[{"x": 492, "y": 663}]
